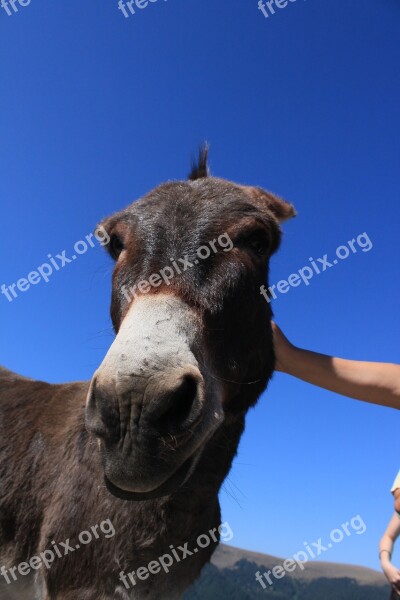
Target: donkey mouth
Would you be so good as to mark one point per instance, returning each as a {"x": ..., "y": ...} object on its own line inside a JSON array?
[{"x": 171, "y": 485}]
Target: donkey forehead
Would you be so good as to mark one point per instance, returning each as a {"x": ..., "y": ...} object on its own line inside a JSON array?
[
  {"x": 216, "y": 194},
  {"x": 184, "y": 208}
]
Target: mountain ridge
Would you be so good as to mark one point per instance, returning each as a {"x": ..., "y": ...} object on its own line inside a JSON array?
[
  {"x": 226, "y": 556},
  {"x": 232, "y": 574}
]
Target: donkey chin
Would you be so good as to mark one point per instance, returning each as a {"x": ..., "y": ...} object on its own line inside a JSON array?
[{"x": 149, "y": 404}]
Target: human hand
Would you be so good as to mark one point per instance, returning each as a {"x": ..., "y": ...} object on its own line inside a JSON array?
[
  {"x": 393, "y": 576},
  {"x": 283, "y": 349}
]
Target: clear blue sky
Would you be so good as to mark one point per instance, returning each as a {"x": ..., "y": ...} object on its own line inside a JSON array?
[{"x": 96, "y": 109}]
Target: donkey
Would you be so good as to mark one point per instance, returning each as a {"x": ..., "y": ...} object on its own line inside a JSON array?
[{"x": 145, "y": 446}]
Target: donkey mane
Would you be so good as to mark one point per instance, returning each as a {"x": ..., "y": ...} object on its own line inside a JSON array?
[{"x": 200, "y": 168}]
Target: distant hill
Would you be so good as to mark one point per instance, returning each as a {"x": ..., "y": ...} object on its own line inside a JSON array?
[{"x": 231, "y": 576}]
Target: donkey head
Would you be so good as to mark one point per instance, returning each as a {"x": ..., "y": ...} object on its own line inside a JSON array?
[{"x": 193, "y": 339}]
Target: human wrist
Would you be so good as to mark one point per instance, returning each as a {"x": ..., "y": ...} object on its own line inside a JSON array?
[
  {"x": 385, "y": 558},
  {"x": 290, "y": 360}
]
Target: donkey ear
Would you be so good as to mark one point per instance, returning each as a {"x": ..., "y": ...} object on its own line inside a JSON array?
[
  {"x": 281, "y": 209},
  {"x": 199, "y": 167}
]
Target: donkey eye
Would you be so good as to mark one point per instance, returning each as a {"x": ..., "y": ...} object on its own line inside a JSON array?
[
  {"x": 258, "y": 242},
  {"x": 115, "y": 246}
]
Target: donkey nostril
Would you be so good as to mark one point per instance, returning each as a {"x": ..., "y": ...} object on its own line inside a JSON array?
[{"x": 179, "y": 408}]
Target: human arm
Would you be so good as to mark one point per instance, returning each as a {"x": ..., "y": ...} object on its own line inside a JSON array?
[
  {"x": 374, "y": 382},
  {"x": 385, "y": 553}
]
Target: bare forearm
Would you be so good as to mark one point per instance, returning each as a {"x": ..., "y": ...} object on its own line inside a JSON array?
[
  {"x": 371, "y": 382},
  {"x": 385, "y": 550}
]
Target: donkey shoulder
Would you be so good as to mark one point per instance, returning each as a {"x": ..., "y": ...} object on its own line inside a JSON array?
[
  {"x": 7, "y": 375},
  {"x": 33, "y": 402}
]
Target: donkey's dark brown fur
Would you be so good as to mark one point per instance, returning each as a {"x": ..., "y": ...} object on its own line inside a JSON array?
[{"x": 53, "y": 464}]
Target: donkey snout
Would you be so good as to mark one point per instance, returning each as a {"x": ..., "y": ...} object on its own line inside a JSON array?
[{"x": 168, "y": 403}]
